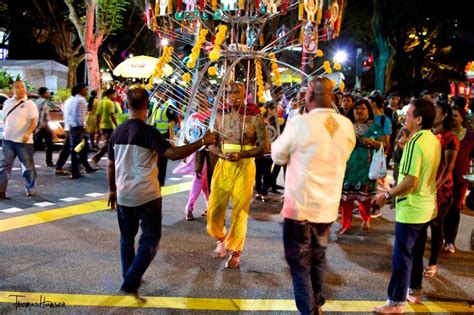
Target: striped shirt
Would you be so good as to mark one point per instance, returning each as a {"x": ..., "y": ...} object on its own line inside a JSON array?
[
  {"x": 420, "y": 159},
  {"x": 75, "y": 110}
]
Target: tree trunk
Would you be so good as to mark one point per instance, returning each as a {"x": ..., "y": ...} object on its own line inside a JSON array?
[
  {"x": 383, "y": 46},
  {"x": 72, "y": 64},
  {"x": 93, "y": 71}
]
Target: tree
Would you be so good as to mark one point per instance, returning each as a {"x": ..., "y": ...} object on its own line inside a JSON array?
[
  {"x": 100, "y": 19},
  {"x": 61, "y": 34}
]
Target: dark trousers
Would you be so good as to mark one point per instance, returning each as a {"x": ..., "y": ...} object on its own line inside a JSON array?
[
  {"x": 45, "y": 134},
  {"x": 263, "y": 176},
  {"x": 445, "y": 199},
  {"x": 65, "y": 152},
  {"x": 106, "y": 133},
  {"x": 148, "y": 216},
  {"x": 76, "y": 134},
  {"x": 275, "y": 173},
  {"x": 162, "y": 165},
  {"x": 305, "y": 251},
  {"x": 407, "y": 260},
  {"x": 451, "y": 224}
]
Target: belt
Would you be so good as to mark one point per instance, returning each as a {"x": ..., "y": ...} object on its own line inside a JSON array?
[{"x": 230, "y": 147}]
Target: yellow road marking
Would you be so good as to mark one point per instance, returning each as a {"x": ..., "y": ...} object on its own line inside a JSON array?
[
  {"x": 216, "y": 304},
  {"x": 71, "y": 211}
]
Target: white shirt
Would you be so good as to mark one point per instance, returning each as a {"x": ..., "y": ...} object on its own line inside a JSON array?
[
  {"x": 75, "y": 110},
  {"x": 19, "y": 120},
  {"x": 315, "y": 147}
]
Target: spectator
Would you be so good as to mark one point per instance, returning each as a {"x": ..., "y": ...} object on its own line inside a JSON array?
[
  {"x": 416, "y": 207},
  {"x": 442, "y": 126},
  {"x": 91, "y": 119},
  {"x": 20, "y": 120},
  {"x": 43, "y": 132},
  {"x": 357, "y": 185},
  {"x": 164, "y": 117},
  {"x": 460, "y": 185},
  {"x": 316, "y": 167},
  {"x": 134, "y": 188},
  {"x": 75, "y": 109},
  {"x": 107, "y": 121}
]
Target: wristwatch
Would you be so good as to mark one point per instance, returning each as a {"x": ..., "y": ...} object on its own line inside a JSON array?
[{"x": 387, "y": 195}]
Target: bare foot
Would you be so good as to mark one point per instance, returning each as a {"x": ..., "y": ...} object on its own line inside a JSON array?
[
  {"x": 342, "y": 231},
  {"x": 389, "y": 309},
  {"x": 366, "y": 226}
]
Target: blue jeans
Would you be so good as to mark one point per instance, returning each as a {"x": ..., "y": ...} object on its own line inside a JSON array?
[
  {"x": 305, "y": 251},
  {"x": 148, "y": 216},
  {"x": 25, "y": 152},
  {"x": 407, "y": 261}
]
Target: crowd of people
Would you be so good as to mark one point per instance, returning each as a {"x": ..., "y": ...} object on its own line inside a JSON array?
[{"x": 327, "y": 145}]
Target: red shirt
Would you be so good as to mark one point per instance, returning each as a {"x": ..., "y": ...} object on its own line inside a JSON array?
[{"x": 449, "y": 141}]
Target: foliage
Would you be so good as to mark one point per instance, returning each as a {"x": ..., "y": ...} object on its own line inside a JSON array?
[
  {"x": 6, "y": 80},
  {"x": 61, "y": 95}
]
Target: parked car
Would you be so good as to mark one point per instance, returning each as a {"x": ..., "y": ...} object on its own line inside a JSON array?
[{"x": 56, "y": 122}]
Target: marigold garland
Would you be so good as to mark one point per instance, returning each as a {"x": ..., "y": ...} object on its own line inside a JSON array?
[
  {"x": 260, "y": 85},
  {"x": 319, "y": 53},
  {"x": 193, "y": 57},
  {"x": 337, "y": 66},
  {"x": 212, "y": 71},
  {"x": 215, "y": 53},
  {"x": 186, "y": 77},
  {"x": 276, "y": 73},
  {"x": 327, "y": 67},
  {"x": 160, "y": 64}
]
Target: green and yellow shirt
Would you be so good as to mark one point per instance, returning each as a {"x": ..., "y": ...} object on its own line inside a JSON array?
[{"x": 421, "y": 157}]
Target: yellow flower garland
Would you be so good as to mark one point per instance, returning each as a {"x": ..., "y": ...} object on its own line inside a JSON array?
[
  {"x": 327, "y": 67},
  {"x": 276, "y": 73},
  {"x": 215, "y": 53},
  {"x": 193, "y": 57},
  {"x": 162, "y": 61},
  {"x": 260, "y": 85},
  {"x": 319, "y": 53}
]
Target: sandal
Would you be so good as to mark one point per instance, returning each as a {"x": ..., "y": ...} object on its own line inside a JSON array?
[{"x": 430, "y": 271}]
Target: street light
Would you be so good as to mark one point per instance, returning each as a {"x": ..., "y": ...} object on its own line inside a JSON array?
[
  {"x": 340, "y": 56},
  {"x": 165, "y": 42}
]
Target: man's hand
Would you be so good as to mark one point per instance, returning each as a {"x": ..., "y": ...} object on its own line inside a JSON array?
[
  {"x": 112, "y": 200},
  {"x": 209, "y": 138},
  {"x": 25, "y": 138},
  {"x": 233, "y": 157},
  {"x": 379, "y": 199}
]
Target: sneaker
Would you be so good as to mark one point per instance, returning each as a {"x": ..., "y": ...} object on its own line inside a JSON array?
[
  {"x": 50, "y": 164},
  {"x": 389, "y": 309},
  {"x": 220, "y": 250},
  {"x": 258, "y": 196},
  {"x": 233, "y": 261},
  {"x": 189, "y": 216},
  {"x": 450, "y": 248}
]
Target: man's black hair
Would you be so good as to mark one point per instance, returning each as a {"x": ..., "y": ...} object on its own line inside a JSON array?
[
  {"x": 77, "y": 88},
  {"x": 426, "y": 110},
  {"x": 137, "y": 98},
  {"x": 42, "y": 90}
]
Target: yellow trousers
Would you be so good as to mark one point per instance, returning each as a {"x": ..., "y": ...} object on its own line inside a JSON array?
[{"x": 236, "y": 180}]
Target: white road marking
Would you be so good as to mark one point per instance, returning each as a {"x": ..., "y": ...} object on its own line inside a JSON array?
[
  {"x": 94, "y": 194},
  {"x": 11, "y": 210},
  {"x": 44, "y": 204},
  {"x": 70, "y": 199}
]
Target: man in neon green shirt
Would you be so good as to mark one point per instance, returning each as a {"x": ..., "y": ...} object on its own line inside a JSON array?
[
  {"x": 106, "y": 121},
  {"x": 415, "y": 206}
]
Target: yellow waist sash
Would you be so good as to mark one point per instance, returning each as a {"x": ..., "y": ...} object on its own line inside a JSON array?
[{"x": 230, "y": 147}]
